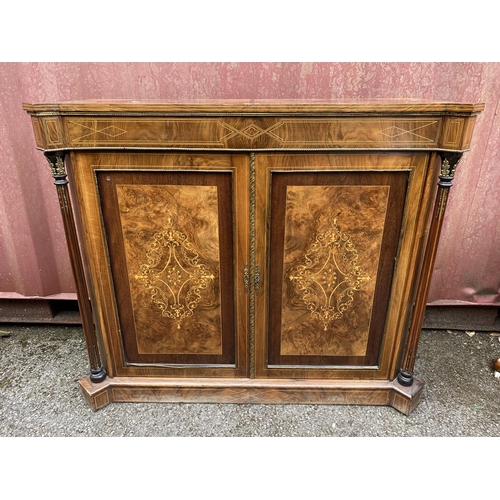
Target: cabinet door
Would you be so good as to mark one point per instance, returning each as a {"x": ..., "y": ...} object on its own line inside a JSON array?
[
  {"x": 167, "y": 253},
  {"x": 337, "y": 247}
]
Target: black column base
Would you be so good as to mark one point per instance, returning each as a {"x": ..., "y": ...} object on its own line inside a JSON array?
[
  {"x": 98, "y": 375},
  {"x": 405, "y": 378}
]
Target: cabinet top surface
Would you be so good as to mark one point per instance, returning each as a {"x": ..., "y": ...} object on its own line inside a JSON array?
[{"x": 255, "y": 106}]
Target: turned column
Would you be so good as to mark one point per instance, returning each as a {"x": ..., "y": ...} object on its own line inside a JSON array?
[
  {"x": 56, "y": 163},
  {"x": 449, "y": 162}
]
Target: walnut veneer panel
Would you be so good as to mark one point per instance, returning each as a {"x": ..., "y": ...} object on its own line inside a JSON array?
[
  {"x": 169, "y": 245},
  {"x": 178, "y": 273},
  {"x": 252, "y": 133},
  {"x": 329, "y": 273},
  {"x": 333, "y": 236}
]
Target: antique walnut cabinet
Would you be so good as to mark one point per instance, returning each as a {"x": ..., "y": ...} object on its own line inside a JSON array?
[{"x": 253, "y": 251}]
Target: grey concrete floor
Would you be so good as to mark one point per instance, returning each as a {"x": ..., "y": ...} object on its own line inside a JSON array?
[{"x": 40, "y": 396}]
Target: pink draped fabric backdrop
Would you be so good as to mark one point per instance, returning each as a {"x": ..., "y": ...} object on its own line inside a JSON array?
[{"x": 33, "y": 256}]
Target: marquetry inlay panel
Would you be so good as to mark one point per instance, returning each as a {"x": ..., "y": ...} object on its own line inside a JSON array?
[
  {"x": 253, "y": 132},
  {"x": 329, "y": 276},
  {"x": 174, "y": 275},
  {"x": 333, "y": 240},
  {"x": 53, "y": 132},
  {"x": 453, "y": 132},
  {"x": 170, "y": 236}
]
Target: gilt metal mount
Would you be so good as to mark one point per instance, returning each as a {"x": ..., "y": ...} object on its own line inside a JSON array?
[
  {"x": 56, "y": 165},
  {"x": 449, "y": 165}
]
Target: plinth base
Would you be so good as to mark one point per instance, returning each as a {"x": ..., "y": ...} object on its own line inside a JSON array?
[{"x": 248, "y": 391}]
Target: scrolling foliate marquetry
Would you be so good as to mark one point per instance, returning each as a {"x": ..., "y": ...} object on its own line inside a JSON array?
[
  {"x": 329, "y": 276},
  {"x": 333, "y": 238},
  {"x": 171, "y": 244},
  {"x": 174, "y": 274}
]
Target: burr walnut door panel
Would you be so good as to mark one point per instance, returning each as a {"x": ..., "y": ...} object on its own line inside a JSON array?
[
  {"x": 176, "y": 263},
  {"x": 331, "y": 236}
]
